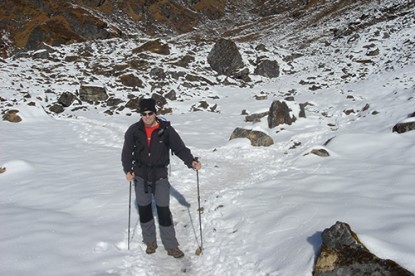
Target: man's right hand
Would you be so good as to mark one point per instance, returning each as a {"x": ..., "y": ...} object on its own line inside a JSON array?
[{"x": 130, "y": 176}]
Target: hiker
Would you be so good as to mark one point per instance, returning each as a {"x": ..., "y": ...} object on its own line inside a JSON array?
[{"x": 145, "y": 156}]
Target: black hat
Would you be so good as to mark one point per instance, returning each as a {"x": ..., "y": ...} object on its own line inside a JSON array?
[{"x": 147, "y": 105}]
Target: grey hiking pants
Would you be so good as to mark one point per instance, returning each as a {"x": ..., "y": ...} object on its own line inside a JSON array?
[{"x": 161, "y": 193}]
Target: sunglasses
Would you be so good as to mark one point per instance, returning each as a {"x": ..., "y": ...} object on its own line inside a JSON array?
[{"x": 144, "y": 114}]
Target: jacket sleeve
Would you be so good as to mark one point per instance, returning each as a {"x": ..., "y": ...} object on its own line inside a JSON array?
[
  {"x": 127, "y": 154},
  {"x": 178, "y": 147}
]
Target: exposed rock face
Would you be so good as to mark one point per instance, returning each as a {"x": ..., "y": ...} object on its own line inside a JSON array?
[
  {"x": 225, "y": 58},
  {"x": 257, "y": 138},
  {"x": 343, "y": 254},
  {"x": 52, "y": 22},
  {"x": 279, "y": 113}
]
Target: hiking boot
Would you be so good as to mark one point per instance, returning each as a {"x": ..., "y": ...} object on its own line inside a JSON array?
[
  {"x": 175, "y": 252},
  {"x": 151, "y": 247}
]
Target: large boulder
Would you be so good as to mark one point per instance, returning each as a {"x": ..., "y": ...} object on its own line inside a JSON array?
[
  {"x": 342, "y": 253},
  {"x": 225, "y": 58}
]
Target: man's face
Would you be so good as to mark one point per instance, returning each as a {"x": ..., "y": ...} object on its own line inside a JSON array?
[{"x": 149, "y": 118}]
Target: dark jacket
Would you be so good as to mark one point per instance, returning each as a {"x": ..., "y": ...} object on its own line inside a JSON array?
[{"x": 151, "y": 162}]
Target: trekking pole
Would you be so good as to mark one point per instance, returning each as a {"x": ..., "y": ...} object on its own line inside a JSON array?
[
  {"x": 129, "y": 218},
  {"x": 200, "y": 249}
]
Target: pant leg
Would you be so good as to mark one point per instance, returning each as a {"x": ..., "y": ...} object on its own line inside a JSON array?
[
  {"x": 162, "y": 197},
  {"x": 145, "y": 211}
]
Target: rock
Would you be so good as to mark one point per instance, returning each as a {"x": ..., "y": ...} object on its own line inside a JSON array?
[
  {"x": 204, "y": 105},
  {"x": 160, "y": 100},
  {"x": 91, "y": 93},
  {"x": 56, "y": 108},
  {"x": 320, "y": 152},
  {"x": 372, "y": 53},
  {"x": 133, "y": 104},
  {"x": 302, "y": 110},
  {"x": 41, "y": 54},
  {"x": 153, "y": 46},
  {"x": 242, "y": 75},
  {"x": 279, "y": 113},
  {"x": 131, "y": 80},
  {"x": 11, "y": 116},
  {"x": 114, "y": 101},
  {"x": 268, "y": 68},
  {"x": 69, "y": 24},
  {"x": 257, "y": 138},
  {"x": 158, "y": 73},
  {"x": 224, "y": 57},
  {"x": 404, "y": 127},
  {"x": 66, "y": 99},
  {"x": 184, "y": 61},
  {"x": 171, "y": 95},
  {"x": 254, "y": 118},
  {"x": 342, "y": 253},
  {"x": 212, "y": 9}
]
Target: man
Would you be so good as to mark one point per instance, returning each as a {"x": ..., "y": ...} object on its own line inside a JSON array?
[{"x": 145, "y": 156}]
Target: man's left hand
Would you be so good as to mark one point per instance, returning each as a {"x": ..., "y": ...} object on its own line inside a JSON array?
[{"x": 196, "y": 165}]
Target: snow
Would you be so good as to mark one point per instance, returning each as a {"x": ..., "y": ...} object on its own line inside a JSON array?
[{"x": 64, "y": 198}]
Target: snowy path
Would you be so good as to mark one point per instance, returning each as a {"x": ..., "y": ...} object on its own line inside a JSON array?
[{"x": 223, "y": 180}]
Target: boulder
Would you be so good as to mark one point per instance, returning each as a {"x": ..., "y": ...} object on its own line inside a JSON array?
[
  {"x": 268, "y": 68},
  {"x": 133, "y": 104},
  {"x": 255, "y": 118},
  {"x": 320, "y": 152},
  {"x": 153, "y": 46},
  {"x": 404, "y": 127},
  {"x": 257, "y": 138},
  {"x": 158, "y": 73},
  {"x": 279, "y": 113},
  {"x": 11, "y": 116},
  {"x": 224, "y": 57},
  {"x": 56, "y": 108},
  {"x": 131, "y": 80},
  {"x": 66, "y": 99},
  {"x": 91, "y": 93},
  {"x": 342, "y": 253}
]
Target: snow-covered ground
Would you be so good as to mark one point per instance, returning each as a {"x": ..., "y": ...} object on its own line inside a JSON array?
[{"x": 64, "y": 198}]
